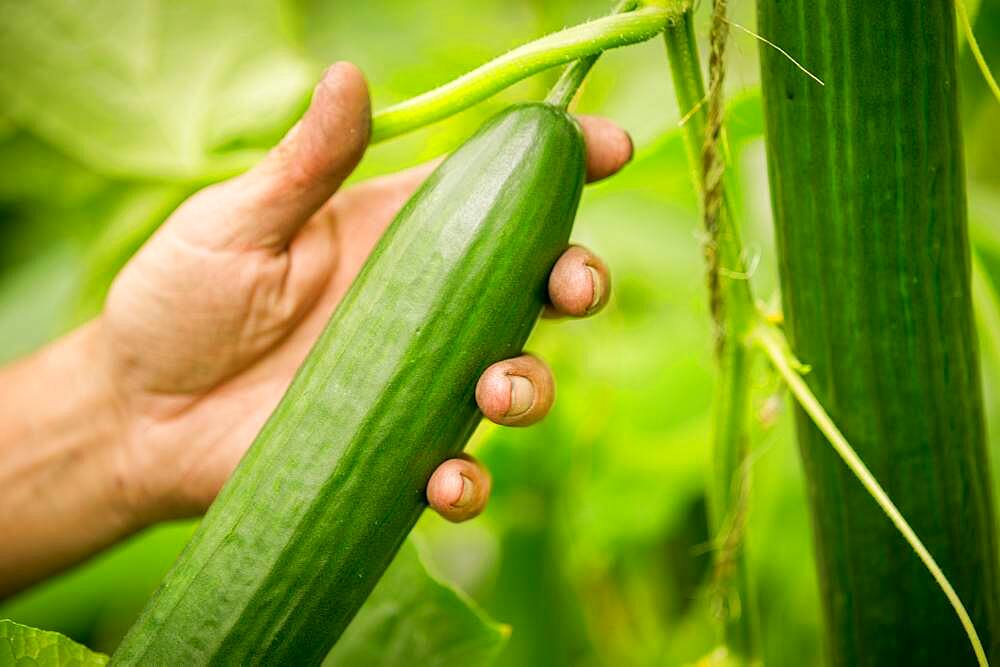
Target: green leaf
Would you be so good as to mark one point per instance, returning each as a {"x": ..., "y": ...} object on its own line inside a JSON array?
[
  {"x": 34, "y": 297},
  {"x": 22, "y": 646},
  {"x": 414, "y": 618},
  {"x": 185, "y": 90}
]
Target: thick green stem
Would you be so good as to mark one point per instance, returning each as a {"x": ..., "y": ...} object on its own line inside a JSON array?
[
  {"x": 558, "y": 48},
  {"x": 868, "y": 192},
  {"x": 728, "y": 490},
  {"x": 773, "y": 342}
]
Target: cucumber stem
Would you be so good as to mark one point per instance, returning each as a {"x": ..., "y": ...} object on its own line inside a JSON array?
[
  {"x": 558, "y": 48},
  {"x": 570, "y": 81},
  {"x": 572, "y": 78}
]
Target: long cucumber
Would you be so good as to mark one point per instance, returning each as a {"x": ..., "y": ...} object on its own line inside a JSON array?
[{"x": 327, "y": 493}]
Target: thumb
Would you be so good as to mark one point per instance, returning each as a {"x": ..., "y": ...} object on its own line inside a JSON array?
[{"x": 274, "y": 199}]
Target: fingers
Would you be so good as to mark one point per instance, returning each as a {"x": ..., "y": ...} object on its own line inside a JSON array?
[
  {"x": 516, "y": 392},
  {"x": 579, "y": 284},
  {"x": 609, "y": 148},
  {"x": 459, "y": 488},
  {"x": 273, "y": 200}
]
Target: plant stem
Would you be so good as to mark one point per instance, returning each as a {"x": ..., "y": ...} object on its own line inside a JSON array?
[
  {"x": 689, "y": 88},
  {"x": 773, "y": 342},
  {"x": 868, "y": 192},
  {"x": 571, "y": 79},
  {"x": 556, "y": 49},
  {"x": 728, "y": 490},
  {"x": 569, "y": 82}
]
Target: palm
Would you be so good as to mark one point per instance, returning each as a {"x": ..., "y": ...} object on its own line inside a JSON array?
[{"x": 249, "y": 318}]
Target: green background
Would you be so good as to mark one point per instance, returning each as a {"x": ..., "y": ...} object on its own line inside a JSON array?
[{"x": 594, "y": 549}]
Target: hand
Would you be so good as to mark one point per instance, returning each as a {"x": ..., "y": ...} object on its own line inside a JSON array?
[
  {"x": 142, "y": 414},
  {"x": 207, "y": 324}
]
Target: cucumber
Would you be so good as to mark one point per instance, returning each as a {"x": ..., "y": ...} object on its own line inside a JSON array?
[{"x": 328, "y": 491}]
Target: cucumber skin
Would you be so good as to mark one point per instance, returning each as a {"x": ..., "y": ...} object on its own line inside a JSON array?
[{"x": 321, "y": 502}]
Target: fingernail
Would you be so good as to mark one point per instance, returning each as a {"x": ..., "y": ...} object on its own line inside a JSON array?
[
  {"x": 522, "y": 395},
  {"x": 467, "y": 489},
  {"x": 598, "y": 286},
  {"x": 631, "y": 147}
]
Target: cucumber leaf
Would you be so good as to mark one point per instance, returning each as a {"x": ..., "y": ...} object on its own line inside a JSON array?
[
  {"x": 22, "y": 646},
  {"x": 181, "y": 90},
  {"x": 415, "y": 618}
]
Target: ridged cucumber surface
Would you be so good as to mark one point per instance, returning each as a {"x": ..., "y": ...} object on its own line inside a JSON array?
[
  {"x": 868, "y": 190},
  {"x": 327, "y": 493}
]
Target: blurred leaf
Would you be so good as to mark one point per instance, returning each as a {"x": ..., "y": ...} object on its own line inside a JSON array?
[
  {"x": 589, "y": 504},
  {"x": 718, "y": 657},
  {"x": 35, "y": 297},
  {"x": 45, "y": 197},
  {"x": 984, "y": 224},
  {"x": 984, "y": 232},
  {"x": 405, "y": 48},
  {"x": 414, "y": 618},
  {"x": 6, "y": 127},
  {"x": 27, "y": 647},
  {"x": 157, "y": 89},
  {"x": 97, "y": 601},
  {"x": 40, "y": 173},
  {"x": 660, "y": 168}
]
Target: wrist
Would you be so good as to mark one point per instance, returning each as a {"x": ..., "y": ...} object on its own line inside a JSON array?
[
  {"x": 62, "y": 478},
  {"x": 91, "y": 419},
  {"x": 101, "y": 405}
]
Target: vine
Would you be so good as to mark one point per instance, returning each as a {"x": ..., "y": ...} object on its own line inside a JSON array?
[{"x": 581, "y": 41}]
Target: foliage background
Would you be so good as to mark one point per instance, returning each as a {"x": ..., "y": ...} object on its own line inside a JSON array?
[{"x": 594, "y": 548}]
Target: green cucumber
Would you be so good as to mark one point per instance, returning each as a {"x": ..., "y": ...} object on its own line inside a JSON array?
[{"x": 326, "y": 495}]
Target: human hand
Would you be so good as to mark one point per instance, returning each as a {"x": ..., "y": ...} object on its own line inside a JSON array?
[{"x": 204, "y": 328}]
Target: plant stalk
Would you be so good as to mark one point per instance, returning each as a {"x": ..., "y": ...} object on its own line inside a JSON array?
[
  {"x": 552, "y": 50},
  {"x": 868, "y": 192},
  {"x": 733, "y": 316},
  {"x": 572, "y": 78},
  {"x": 773, "y": 342}
]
